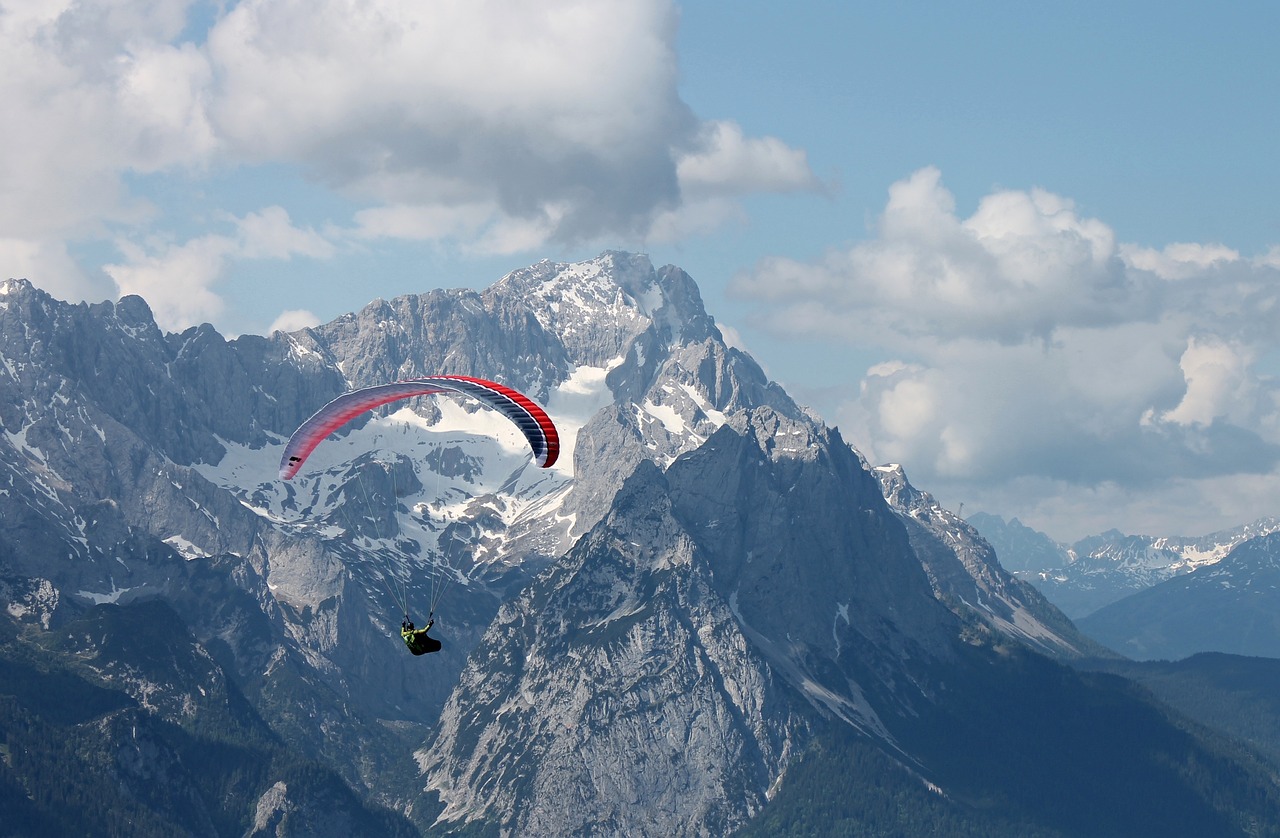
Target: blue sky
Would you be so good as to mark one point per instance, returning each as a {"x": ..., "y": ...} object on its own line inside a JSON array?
[{"x": 1029, "y": 250}]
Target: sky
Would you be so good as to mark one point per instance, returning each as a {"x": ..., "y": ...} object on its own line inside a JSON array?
[{"x": 1030, "y": 251}]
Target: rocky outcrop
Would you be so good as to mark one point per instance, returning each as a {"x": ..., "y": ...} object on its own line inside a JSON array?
[{"x": 965, "y": 573}]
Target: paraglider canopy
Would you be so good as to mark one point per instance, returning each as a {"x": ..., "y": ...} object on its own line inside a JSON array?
[{"x": 532, "y": 421}]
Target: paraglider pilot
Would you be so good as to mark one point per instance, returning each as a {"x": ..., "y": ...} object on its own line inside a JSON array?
[{"x": 416, "y": 639}]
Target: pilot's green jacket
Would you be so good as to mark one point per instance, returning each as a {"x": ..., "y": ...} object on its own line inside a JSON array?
[{"x": 418, "y": 641}]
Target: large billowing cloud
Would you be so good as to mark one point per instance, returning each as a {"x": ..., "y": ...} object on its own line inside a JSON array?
[
  {"x": 558, "y": 110},
  {"x": 496, "y": 125},
  {"x": 1025, "y": 347}
]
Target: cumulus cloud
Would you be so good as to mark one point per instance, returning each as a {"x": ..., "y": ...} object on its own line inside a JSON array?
[
  {"x": 53, "y": 267},
  {"x": 1024, "y": 264},
  {"x": 1024, "y": 343},
  {"x": 727, "y": 161},
  {"x": 721, "y": 167},
  {"x": 558, "y": 113},
  {"x": 421, "y": 222},
  {"x": 553, "y": 122},
  {"x": 178, "y": 279},
  {"x": 92, "y": 90},
  {"x": 695, "y": 218},
  {"x": 495, "y": 125},
  {"x": 1219, "y": 383},
  {"x": 293, "y": 320}
]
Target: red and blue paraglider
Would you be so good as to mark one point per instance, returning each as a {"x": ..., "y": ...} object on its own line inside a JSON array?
[{"x": 533, "y": 422}]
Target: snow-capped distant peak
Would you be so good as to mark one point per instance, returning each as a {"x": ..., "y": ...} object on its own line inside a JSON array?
[{"x": 615, "y": 291}]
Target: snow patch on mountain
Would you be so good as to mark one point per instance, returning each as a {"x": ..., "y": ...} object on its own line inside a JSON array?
[
  {"x": 111, "y": 596},
  {"x": 572, "y": 404},
  {"x": 185, "y": 547}
]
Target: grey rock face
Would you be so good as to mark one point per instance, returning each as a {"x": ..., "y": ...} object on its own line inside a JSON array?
[
  {"x": 287, "y": 577},
  {"x": 462, "y": 332},
  {"x": 135, "y": 463},
  {"x": 964, "y": 572},
  {"x": 803, "y": 544},
  {"x": 598, "y": 309},
  {"x": 102, "y": 417},
  {"x": 616, "y": 695}
]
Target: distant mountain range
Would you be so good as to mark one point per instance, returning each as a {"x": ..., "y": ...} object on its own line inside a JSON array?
[
  {"x": 712, "y": 616},
  {"x": 1163, "y": 598},
  {"x": 1230, "y": 606},
  {"x": 1102, "y": 569}
]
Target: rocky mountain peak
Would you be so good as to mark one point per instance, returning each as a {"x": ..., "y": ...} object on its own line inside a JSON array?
[
  {"x": 897, "y": 490},
  {"x": 1259, "y": 554},
  {"x": 599, "y": 307},
  {"x": 621, "y": 673},
  {"x": 133, "y": 312},
  {"x": 1102, "y": 569}
]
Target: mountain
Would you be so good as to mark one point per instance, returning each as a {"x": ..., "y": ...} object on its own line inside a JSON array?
[
  {"x": 1231, "y": 606},
  {"x": 106, "y": 422},
  {"x": 1158, "y": 597},
  {"x": 1101, "y": 569},
  {"x": 708, "y": 596},
  {"x": 1026, "y": 747},
  {"x": 708, "y": 617},
  {"x": 721, "y": 628},
  {"x": 142, "y": 465},
  {"x": 1022, "y": 550}
]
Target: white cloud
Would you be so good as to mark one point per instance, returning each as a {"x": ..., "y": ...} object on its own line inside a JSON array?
[
  {"x": 422, "y": 222},
  {"x": 178, "y": 279},
  {"x": 508, "y": 234},
  {"x": 1023, "y": 345},
  {"x": 293, "y": 320},
  {"x": 269, "y": 234},
  {"x": 562, "y": 117},
  {"x": 161, "y": 93},
  {"x": 726, "y": 161},
  {"x": 721, "y": 167},
  {"x": 1220, "y": 383},
  {"x": 48, "y": 265},
  {"x": 303, "y": 75},
  {"x": 1022, "y": 265},
  {"x": 92, "y": 91},
  {"x": 1183, "y": 260},
  {"x": 732, "y": 337},
  {"x": 695, "y": 218}
]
